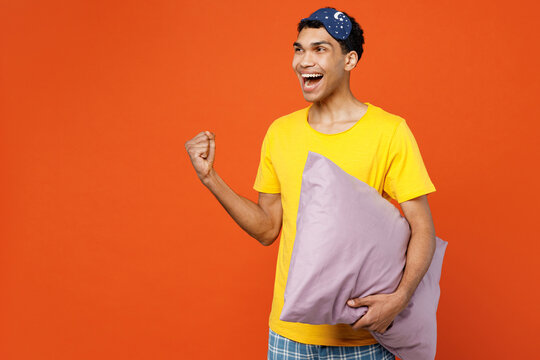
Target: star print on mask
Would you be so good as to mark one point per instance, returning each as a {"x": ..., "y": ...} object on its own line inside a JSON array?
[{"x": 336, "y": 23}]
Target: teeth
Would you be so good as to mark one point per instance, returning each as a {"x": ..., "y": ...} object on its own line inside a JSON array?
[{"x": 310, "y": 75}]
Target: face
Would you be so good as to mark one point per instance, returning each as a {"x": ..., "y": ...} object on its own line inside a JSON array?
[{"x": 317, "y": 53}]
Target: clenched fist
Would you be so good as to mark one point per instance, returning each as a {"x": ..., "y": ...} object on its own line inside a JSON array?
[{"x": 201, "y": 150}]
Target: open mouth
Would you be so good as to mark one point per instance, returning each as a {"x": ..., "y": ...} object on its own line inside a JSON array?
[{"x": 311, "y": 80}]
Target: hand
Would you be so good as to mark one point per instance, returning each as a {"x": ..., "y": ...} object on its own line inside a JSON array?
[
  {"x": 201, "y": 150},
  {"x": 382, "y": 309}
]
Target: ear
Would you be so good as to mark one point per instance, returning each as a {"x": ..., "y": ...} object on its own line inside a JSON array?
[{"x": 351, "y": 59}]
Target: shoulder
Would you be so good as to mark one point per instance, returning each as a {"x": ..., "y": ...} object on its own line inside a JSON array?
[
  {"x": 386, "y": 119},
  {"x": 288, "y": 121}
]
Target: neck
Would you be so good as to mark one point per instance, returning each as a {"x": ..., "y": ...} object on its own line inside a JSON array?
[{"x": 339, "y": 105}]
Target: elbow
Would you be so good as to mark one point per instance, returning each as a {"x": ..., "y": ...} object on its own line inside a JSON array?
[
  {"x": 269, "y": 236},
  {"x": 268, "y": 240}
]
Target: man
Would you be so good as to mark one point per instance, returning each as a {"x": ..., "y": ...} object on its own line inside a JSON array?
[{"x": 367, "y": 142}]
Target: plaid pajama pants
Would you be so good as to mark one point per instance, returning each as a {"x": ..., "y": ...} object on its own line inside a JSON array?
[{"x": 282, "y": 348}]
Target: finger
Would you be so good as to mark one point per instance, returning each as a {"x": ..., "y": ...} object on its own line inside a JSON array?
[
  {"x": 212, "y": 149},
  {"x": 362, "y": 323},
  {"x": 205, "y": 151},
  {"x": 200, "y": 150},
  {"x": 356, "y": 302},
  {"x": 202, "y": 137},
  {"x": 363, "y": 317},
  {"x": 383, "y": 330}
]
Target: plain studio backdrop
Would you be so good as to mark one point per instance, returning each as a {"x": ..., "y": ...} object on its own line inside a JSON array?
[{"x": 111, "y": 248}]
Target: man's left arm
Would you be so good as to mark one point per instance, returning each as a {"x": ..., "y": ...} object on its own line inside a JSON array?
[{"x": 383, "y": 308}]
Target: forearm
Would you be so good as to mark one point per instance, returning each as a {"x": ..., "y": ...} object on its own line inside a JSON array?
[
  {"x": 419, "y": 255},
  {"x": 246, "y": 213}
]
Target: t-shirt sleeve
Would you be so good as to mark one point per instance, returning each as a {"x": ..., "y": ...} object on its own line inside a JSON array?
[
  {"x": 266, "y": 179},
  {"x": 406, "y": 176}
]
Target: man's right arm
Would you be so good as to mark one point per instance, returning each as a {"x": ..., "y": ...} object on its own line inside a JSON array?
[{"x": 261, "y": 221}]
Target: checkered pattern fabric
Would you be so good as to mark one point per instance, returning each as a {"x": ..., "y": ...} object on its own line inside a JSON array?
[{"x": 281, "y": 348}]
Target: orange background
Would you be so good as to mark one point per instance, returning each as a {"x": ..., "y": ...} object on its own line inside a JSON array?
[{"x": 110, "y": 246}]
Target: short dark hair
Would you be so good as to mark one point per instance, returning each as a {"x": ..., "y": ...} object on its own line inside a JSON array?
[{"x": 355, "y": 41}]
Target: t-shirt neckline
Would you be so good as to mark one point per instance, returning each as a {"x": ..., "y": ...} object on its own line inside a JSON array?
[{"x": 305, "y": 120}]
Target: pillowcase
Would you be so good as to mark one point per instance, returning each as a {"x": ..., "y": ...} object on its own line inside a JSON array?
[{"x": 351, "y": 242}]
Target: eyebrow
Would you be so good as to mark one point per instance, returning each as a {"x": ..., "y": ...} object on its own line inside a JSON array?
[{"x": 314, "y": 43}]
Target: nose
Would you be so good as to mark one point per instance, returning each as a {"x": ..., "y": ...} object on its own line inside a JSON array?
[{"x": 306, "y": 60}]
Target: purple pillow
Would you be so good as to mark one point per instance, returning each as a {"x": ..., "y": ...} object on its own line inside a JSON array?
[{"x": 351, "y": 242}]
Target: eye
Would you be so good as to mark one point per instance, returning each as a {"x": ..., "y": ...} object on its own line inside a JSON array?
[
  {"x": 320, "y": 48},
  {"x": 297, "y": 49}
]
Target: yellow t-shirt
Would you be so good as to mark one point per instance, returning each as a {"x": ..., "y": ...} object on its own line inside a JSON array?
[{"x": 378, "y": 149}]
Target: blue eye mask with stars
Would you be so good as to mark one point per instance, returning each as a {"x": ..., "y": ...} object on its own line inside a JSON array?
[{"x": 336, "y": 23}]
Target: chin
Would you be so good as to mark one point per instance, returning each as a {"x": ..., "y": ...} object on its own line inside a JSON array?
[{"x": 313, "y": 98}]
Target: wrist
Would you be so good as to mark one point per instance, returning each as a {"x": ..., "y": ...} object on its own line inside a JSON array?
[
  {"x": 403, "y": 297},
  {"x": 209, "y": 178}
]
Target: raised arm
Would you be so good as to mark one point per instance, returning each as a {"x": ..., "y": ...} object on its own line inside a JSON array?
[{"x": 261, "y": 221}]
